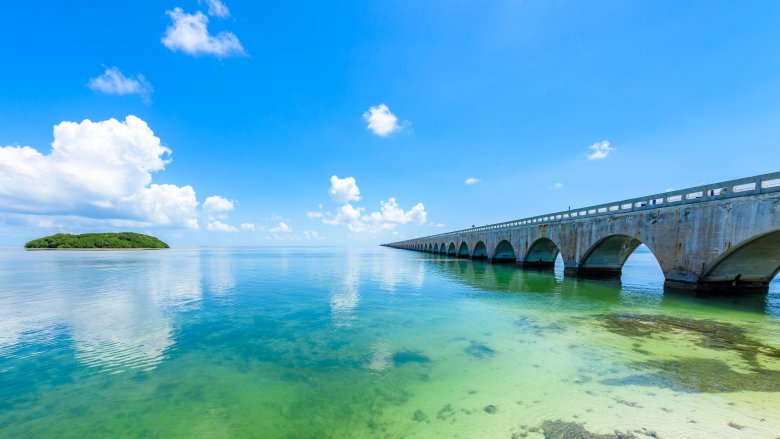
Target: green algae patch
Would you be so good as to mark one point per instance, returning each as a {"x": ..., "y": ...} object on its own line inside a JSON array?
[
  {"x": 709, "y": 334},
  {"x": 124, "y": 240},
  {"x": 698, "y": 375}
]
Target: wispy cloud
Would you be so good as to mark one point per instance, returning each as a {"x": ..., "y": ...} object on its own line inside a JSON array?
[
  {"x": 600, "y": 150},
  {"x": 189, "y": 33},
  {"x": 114, "y": 82},
  {"x": 557, "y": 186},
  {"x": 218, "y": 9},
  {"x": 219, "y": 226},
  {"x": 471, "y": 180}
]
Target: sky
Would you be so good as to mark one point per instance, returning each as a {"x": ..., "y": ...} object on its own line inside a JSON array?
[{"x": 356, "y": 123}]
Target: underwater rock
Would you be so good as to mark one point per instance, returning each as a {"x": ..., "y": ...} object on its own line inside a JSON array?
[
  {"x": 445, "y": 412},
  {"x": 480, "y": 350},
  {"x": 419, "y": 416},
  {"x": 405, "y": 357},
  {"x": 491, "y": 409},
  {"x": 571, "y": 430}
]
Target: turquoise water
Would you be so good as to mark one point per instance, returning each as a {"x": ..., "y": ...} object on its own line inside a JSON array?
[{"x": 319, "y": 343}]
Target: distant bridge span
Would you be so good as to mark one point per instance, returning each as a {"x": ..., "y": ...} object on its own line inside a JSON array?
[{"x": 717, "y": 237}]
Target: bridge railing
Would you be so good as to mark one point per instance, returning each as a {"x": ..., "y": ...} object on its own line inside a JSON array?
[{"x": 741, "y": 187}]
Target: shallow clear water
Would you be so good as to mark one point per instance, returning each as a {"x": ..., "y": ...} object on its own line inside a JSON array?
[{"x": 282, "y": 342}]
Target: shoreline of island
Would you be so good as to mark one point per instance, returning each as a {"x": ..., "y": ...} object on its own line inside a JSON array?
[{"x": 87, "y": 249}]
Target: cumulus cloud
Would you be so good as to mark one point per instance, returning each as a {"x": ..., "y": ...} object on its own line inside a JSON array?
[
  {"x": 219, "y": 226},
  {"x": 390, "y": 212},
  {"x": 471, "y": 180},
  {"x": 381, "y": 121},
  {"x": 356, "y": 219},
  {"x": 600, "y": 150},
  {"x": 344, "y": 189},
  {"x": 216, "y": 204},
  {"x": 250, "y": 227},
  {"x": 99, "y": 170},
  {"x": 189, "y": 33},
  {"x": 218, "y": 9},
  {"x": 114, "y": 82}
]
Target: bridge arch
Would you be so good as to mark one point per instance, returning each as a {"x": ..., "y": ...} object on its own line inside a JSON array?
[
  {"x": 749, "y": 265},
  {"x": 504, "y": 252},
  {"x": 542, "y": 254},
  {"x": 443, "y": 248},
  {"x": 463, "y": 250},
  {"x": 436, "y": 248},
  {"x": 607, "y": 256},
  {"x": 480, "y": 251},
  {"x": 451, "y": 249}
]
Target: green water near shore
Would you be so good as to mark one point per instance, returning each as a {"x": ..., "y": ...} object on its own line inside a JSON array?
[{"x": 372, "y": 343}]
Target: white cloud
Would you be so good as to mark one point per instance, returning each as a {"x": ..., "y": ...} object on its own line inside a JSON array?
[
  {"x": 387, "y": 218},
  {"x": 248, "y": 227},
  {"x": 344, "y": 189},
  {"x": 282, "y": 227},
  {"x": 381, "y": 121},
  {"x": 600, "y": 150},
  {"x": 314, "y": 214},
  {"x": 349, "y": 215},
  {"x": 217, "y": 204},
  {"x": 100, "y": 170},
  {"x": 219, "y": 226},
  {"x": 114, "y": 82},
  {"x": 557, "y": 186},
  {"x": 439, "y": 225},
  {"x": 391, "y": 213},
  {"x": 313, "y": 236},
  {"x": 471, "y": 180},
  {"x": 189, "y": 33},
  {"x": 218, "y": 9}
]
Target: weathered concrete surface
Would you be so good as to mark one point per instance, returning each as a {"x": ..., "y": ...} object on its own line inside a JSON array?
[{"x": 731, "y": 244}]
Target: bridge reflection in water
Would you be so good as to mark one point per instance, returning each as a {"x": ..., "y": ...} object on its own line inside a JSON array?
[{"x": 722, "y": 237}]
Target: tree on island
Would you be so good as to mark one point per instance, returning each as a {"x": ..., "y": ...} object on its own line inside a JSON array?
[{"x": 96, "y": 240}]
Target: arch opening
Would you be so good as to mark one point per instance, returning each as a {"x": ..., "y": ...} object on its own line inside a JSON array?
[
  {"x": 480, "y": 251},
  {"x": 542, "y": 254},
  {"x": 504, "y": 252},
  {"x": 451, "y": 249},
  {"x": 748, "y": 266},
  {"x": 443, "y": 248},
  {"x": 463, "y": 250},
  {"x": 436, "y": 248},
  {"x": 607, "y": 256}
]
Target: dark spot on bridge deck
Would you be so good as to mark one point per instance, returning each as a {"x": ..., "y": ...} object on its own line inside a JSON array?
[
  {"x": 480, "y": 350},
  {"x": 710, "y": 334},
  {"x": 405, "y": 357}
]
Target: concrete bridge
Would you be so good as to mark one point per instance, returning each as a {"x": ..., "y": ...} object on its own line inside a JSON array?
[{"x": 717, "y": 237}]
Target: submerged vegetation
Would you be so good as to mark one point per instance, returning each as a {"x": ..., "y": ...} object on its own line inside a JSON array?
[
  {"x": 697, "y": 375},
  {"x": 96, "y": 241}
]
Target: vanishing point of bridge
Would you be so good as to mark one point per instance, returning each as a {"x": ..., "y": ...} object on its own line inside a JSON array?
[{"x": 717, "y": 237}]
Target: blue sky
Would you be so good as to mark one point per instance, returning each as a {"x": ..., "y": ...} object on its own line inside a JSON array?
[{"x": 263, "y": 111}]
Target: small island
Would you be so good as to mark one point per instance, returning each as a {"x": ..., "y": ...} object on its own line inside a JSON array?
[{"x": 96, "y": 241}]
